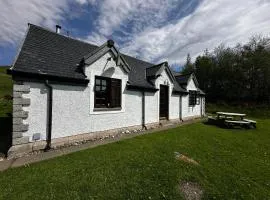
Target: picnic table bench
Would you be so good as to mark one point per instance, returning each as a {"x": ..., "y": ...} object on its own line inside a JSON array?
[
  {"x": 252, "y": 122},
  {"x": 230, "y": 120},
  {"x": 230, "y": 115}
]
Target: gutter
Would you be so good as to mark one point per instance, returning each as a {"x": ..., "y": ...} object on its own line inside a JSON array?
[
  {"x": 38, "y": 77},
  {"x": 49, "y": 115}
]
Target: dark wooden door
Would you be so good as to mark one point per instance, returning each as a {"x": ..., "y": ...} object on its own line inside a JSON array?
[{"x": 163, "y": 102}]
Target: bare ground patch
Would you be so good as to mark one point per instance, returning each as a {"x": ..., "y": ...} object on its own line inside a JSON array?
[
  {"x": 184, "y": 158},
  {"x": 191, "y": 190}
]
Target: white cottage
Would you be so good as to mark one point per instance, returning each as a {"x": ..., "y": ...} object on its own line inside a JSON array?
[{"x": 66, "y": 90}]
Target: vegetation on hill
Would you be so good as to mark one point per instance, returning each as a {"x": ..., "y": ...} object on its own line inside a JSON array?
[
  {"x": 5, "y": 92},
  {"x": 239, "y": 74},
  {"x": 5, "y": 110},
  {"x": 5, "y": 82}
]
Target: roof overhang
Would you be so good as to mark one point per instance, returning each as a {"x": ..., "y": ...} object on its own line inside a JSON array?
[
  {"x": 141, "y": 88},
  {"x": 41, "y": 77}
]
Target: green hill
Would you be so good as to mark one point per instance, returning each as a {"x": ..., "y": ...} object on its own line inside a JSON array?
[{"x": 5, "y": 92}]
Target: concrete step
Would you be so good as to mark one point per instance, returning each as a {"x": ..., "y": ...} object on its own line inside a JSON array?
[{"x": 165, "y": 123}]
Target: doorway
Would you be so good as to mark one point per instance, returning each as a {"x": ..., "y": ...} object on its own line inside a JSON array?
[{"x": 163, "y": 102}]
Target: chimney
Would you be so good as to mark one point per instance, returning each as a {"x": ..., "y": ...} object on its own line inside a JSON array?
[{"x": 58, "y": 29}]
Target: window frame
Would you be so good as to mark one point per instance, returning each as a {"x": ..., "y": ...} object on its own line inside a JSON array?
[
  {"x": 193, "y": 98},
  {"x": 198, "y": 98},
  {"x": 108, "y": 96}
]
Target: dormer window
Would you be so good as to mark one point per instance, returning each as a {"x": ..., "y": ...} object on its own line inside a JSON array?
[{"x": 107, "y": 92}]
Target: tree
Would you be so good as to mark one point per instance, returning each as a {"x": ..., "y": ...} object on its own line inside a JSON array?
[
  {"x": 238, "y": 74},
  {"x": 189, "y": 67}
]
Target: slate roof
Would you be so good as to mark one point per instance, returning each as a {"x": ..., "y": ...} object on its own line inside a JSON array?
[
  {"x": 153, "y": 70},
  {"x": 45, "y": 52},
  {"x": 182, "y": 80}
]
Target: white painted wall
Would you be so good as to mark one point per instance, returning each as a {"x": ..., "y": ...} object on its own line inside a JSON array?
[
  {"x": 190, "y": 111},
  {"x": 37, "y": 111},
  {"x": 73, "y": 106},
  {"x": 174, "y": 107},
  {"x": 151, "y": 107}
]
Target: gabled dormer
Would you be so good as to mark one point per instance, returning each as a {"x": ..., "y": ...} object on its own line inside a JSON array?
[{"x": 107, "y": 47}]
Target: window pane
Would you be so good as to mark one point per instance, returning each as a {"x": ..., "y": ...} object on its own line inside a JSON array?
[
  {"x": 98, "y": 81},
  {"x": 103, "y": 88},
  {"x": 192, "y": 98},
  {"x": 116, "y": 93},
  {"x": 97, "y": 88}
]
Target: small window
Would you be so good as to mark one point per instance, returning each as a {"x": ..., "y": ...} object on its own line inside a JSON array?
[
  {"x": 193, "y": 97},
  {"x": 198, "y": 99},
  {"x": 107, "y": 92}
]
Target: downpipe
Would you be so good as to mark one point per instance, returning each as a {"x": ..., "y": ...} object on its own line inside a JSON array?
[
  {"x": 143, "y": 111},
  {"x": 49, "y": 115}
]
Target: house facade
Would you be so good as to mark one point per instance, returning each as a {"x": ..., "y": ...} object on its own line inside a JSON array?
[{"x": 66, "y": 90}]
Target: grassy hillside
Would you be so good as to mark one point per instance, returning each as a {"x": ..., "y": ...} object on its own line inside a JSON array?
[
  {"x": 5, "y": 110},
  {"x": 5, "y": 82},
  {"x": 5, "y": 92}
]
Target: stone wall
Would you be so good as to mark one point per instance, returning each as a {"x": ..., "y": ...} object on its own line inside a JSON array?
[{"x": 19, "y": 114}]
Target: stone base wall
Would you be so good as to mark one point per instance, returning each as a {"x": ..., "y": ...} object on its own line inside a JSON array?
[
  {"x": 21, "y": 149},
  {"x": 19, "y": 115},
  {"x": 191, "y": 118},
  {"x": 24, "y": 148}
]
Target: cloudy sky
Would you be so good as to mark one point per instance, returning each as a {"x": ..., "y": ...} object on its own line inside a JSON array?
[{"x": 154, "y": 30}]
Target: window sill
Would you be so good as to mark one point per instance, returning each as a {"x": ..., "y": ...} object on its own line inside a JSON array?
[{"x": 107, "y": 109}]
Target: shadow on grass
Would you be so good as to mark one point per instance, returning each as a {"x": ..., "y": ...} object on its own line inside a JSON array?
[
  {"x": 221, "y": 125},
  {"x": 216, "y": 124},
  {"x": 5, "y": 134}
]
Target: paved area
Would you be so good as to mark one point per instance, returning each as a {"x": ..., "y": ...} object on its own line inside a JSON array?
[{"x": 39, "y": 156}]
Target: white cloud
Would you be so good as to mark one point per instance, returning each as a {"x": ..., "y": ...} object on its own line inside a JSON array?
[
  {"x": 155, "y": 30},
  {"x": 212, "y": 23},
  {"x": 82, "y": 2},
  {"x": 15, "y": 14},
  {"x": 134, "y": 16}
]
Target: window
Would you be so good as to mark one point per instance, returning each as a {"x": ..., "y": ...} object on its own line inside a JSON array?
[
  {"x": 107, "y": 92},
  {"x": 198, "y": 98},
  {"x": 194, "y": 98}
]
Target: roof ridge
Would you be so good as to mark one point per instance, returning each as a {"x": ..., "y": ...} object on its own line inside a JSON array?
[
  {"x": 137, "y": 58},
  {"x": 61, "y": 35},
  {"x": 77, "y": 40}
]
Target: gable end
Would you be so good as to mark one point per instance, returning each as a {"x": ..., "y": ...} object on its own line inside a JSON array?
[{"x": 102, "y": 50}]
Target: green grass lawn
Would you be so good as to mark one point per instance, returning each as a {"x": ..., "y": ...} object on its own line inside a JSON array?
[{"x": 234, "y": 164}]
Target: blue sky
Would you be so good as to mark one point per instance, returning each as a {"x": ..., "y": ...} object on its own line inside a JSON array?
[{"x": 153, "y": 30}]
